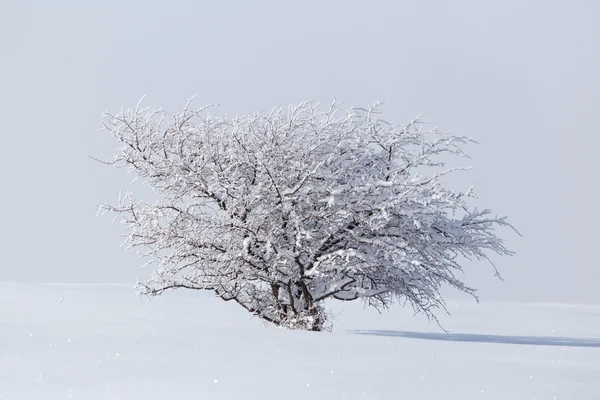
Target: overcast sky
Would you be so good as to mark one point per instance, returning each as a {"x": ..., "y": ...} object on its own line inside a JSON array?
[{"x": 521, "y": 77}]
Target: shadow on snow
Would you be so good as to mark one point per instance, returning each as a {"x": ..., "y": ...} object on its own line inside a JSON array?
[{"x": 482, "y": 338}]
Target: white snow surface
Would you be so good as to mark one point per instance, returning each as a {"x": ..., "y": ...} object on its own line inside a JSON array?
[{"x": 76, "y": 341}]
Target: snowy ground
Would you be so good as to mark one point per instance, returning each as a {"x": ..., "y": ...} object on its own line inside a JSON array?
[{"x": 101, "y": 342}]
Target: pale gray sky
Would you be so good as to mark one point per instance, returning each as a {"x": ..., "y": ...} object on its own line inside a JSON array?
[{"x": 519, "y": 76}]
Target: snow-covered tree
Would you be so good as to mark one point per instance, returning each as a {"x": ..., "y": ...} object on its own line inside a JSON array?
[{"x": 284, "y": 210}]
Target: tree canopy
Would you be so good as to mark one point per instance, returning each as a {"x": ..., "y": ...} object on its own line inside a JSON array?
[{"x": 283, "y": 210}]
